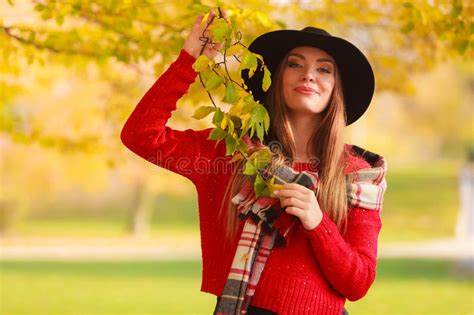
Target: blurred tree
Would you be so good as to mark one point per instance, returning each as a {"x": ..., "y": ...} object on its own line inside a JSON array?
[{"x": 399, "y": 37}]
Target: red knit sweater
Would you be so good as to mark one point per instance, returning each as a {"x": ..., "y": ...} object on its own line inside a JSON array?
[{"x": 318, "y": 269}]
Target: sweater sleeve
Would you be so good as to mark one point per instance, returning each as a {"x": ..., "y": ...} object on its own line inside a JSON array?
[
  {"x": 349, "y": 263},
  {"x": 146, "y": 134}
]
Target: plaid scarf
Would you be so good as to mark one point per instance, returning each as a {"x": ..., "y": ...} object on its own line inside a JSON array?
[{"x": 265, "y": 227}]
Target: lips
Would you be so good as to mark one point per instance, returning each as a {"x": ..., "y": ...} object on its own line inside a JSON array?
[{"x": 306, "y": 90}]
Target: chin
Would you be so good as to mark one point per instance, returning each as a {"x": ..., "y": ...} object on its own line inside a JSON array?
[{"x": 312, "y": 107}]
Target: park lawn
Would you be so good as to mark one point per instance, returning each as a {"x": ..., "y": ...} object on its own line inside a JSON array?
[
  {"x": 41, "y": 287},
  {"x": 89, "y": 227},
  {"x": 421, "y": 202}
]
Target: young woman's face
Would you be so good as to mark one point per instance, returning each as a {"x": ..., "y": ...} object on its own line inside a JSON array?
[{"x": 308, "y": 80}]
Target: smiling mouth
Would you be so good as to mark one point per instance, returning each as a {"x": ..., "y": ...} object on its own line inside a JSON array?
[{"x": 306, "y": 91}]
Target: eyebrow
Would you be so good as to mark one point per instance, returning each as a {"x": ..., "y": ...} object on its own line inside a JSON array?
[{"x": 319, "y": 60}]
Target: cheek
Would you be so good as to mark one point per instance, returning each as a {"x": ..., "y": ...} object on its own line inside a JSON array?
[{"x": 329, "y": 84}]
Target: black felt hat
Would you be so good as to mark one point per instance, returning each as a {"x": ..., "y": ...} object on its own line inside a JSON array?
[{"x": 356, "y": 73}]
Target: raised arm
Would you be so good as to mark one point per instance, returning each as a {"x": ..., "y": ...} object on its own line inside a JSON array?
[{"x": 145, "y": 131}]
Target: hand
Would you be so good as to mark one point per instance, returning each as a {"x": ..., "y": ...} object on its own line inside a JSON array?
[
  {"x": 301, "y": 202},
  {"x": 196, "y": 39}
]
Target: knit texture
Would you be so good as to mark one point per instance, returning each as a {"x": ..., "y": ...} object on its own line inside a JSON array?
[{"x": 317, "y": 270}]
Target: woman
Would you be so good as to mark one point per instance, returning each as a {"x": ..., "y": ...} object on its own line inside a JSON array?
[{"x": 315, "y": 245}]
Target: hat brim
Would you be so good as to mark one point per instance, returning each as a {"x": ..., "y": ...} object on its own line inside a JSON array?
[{"x": 356, "y": 73}]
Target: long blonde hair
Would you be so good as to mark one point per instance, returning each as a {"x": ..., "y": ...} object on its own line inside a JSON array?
[{"x": 326, "y": 142}]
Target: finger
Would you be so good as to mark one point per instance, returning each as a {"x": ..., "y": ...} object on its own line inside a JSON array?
[
  {"x": 198, "y": 19},
  {"x": 294, "y": 211},
  {"x": 290, "y": 193},
  {"x": 197, "y": 24},
  {"x": 216, "y": 46},
  {"x": 290, "y": 202},
  {"x": 211, "y": 17},
  {"x": 224, "y": 14},
  {"x": 297, "y": 187}
]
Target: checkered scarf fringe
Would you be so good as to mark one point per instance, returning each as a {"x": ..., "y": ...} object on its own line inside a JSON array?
[{"x": 264, "y": 228}]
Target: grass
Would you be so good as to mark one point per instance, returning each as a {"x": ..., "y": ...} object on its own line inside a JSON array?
[
  {"x": 417, "y": 287},
  {"x": 421, "y": 202},
  {"x": 99, "y": 227},
  {"x": 41, "y": 287}
]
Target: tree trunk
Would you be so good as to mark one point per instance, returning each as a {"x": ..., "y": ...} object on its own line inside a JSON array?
[{"x": 141, "y": 210}]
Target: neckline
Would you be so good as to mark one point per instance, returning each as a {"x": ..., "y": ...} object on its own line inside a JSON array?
[{"x": 304, "y": 166}]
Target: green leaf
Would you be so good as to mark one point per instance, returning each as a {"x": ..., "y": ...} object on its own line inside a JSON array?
[
  {"x": 266, "y": 192},
  {"x": 266, "y": 121},
  {"x": 261, "y": 157},
  {"x": 214, "y": 82},
  {"x": 230, "y": 143},
  {"x": 203, "y": 111},
  {"x": 252, "y": 130},
  {"x": 233, "y": 23},
  {"x": 220, "y": 29},
  {"x": 249, "y": 61},
  {"x": 258, "y": 113},
  {"x": 241, "y": 145},
  {"x": 217, "y": 134},
  {"x": 249, "y": 104},
  {"x": 230, "y": 123},
  {"x": 246, "y": 123},
  {"x": 249, "y": 169},
  {"x": 267, "y": 81},
  {"x": 260, "y": 131},
  {"x": 205, "y": 75},
  {"x": 218, "y": 116},
  {"x": 201, "y": 64},
  {"x": 259, "y": 185},
  {"x": 230, "y": 94}
]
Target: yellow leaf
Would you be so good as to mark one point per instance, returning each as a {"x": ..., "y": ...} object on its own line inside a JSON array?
[
  {"x": 203, "y": 111},
  {"x": 234, "y": 50},
  {"x": 224, "y": 122},
  {"x": 236, "y": 108},
  {"x": 266, "y": 79},
  {"x": 231, "y": 126},
  {"x": 201, "y": 63}
]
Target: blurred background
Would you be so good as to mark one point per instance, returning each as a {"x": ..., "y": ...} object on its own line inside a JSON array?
[{"x": 88, "y": 227}]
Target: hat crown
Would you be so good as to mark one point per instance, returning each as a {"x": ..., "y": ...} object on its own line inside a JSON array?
[{"x": 315, "y": 30}]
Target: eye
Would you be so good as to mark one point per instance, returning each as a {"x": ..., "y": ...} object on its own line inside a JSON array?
[
  {"x": 325, "y": 70},
  {"x": 293, "y": 64}
]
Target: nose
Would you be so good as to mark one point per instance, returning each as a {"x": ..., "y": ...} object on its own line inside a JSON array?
[{"x": 308, "y": 76}]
